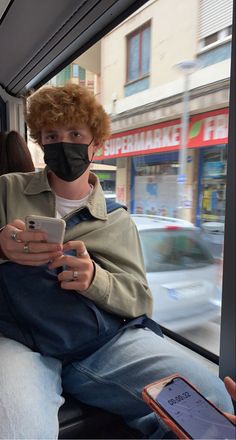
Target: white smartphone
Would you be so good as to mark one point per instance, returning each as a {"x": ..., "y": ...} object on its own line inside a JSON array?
[
  {"x": 54, "y": 227},
  {"x": 186, "y": 411}
]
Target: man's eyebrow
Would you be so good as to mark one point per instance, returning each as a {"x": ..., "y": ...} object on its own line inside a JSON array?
[{"x": 50, "y": 131}]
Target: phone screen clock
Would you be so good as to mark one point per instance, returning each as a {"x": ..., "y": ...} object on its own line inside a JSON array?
[
  {"x": 179, "y": 398},
  {"x": 193, "y": 413}
]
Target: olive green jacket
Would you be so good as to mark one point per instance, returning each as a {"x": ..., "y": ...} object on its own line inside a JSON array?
[{"x": 119, "y": 285}]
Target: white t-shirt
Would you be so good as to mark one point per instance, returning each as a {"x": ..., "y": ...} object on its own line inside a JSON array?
[{"x": 65, "y": 206}]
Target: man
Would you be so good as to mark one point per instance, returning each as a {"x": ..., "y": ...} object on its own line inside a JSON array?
[{"x": 106, "y": 270}]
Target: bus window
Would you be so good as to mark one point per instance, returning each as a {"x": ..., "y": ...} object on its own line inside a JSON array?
[
  {"x": 169, "y": 153},
  {"x": 168, "y": 85}
]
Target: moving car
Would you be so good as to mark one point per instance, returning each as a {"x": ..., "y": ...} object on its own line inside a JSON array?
[
  {"x": 213, "y": 234},
  {"x": 181, "y": 271}
]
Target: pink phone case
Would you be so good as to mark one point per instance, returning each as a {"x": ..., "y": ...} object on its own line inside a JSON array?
[{"x": 149, "y": 399}]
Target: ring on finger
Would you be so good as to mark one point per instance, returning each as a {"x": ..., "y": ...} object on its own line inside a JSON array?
[
  {"x": 13, "y": 236},
  {"x": 26, "y": 248},
  {"x": 75, "y": 275}
]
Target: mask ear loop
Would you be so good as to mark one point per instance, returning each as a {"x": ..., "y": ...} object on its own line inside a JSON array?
[{"x": 93, "y": 152}]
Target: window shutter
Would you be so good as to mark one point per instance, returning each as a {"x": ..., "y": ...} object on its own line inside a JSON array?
[{"x": 214, "y": 15}]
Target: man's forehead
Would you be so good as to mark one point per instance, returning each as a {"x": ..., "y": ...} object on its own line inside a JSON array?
[{"x": 60, "y": 128}]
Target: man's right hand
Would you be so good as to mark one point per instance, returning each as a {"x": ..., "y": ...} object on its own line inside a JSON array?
[{"x": 27, "y": 247}]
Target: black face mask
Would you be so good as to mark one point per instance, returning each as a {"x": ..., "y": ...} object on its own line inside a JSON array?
[{"x": 67, "y": 160}]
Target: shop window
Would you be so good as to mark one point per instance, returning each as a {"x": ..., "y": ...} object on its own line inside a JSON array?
[
  {"x": 107, "y": 180},
  {"x": 138, "y": 60},
  {"x": 213, "y": 184},
  {"x": 155, "y": 187}
]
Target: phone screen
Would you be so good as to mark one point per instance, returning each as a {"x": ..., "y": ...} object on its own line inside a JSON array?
[{"x": 193, "y": 413}]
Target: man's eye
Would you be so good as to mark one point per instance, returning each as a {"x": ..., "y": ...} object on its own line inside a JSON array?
[
  {"x": 76, "y": 134},
  {"x": 50, "y": 137}
]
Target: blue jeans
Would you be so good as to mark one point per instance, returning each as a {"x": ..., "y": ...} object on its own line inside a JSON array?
[{"x": 112, "y": 378}]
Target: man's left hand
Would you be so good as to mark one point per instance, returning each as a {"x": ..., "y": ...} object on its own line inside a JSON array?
[{"x": 79, "y": 271}]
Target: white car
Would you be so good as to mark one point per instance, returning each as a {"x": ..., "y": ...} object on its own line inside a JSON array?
[{"x": 181, "y": 272}]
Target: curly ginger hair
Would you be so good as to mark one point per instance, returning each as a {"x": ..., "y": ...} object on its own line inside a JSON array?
[{"x": 70, "y": 105}]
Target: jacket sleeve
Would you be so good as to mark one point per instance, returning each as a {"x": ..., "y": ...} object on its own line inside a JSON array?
[{"x": 120, "y": 285}]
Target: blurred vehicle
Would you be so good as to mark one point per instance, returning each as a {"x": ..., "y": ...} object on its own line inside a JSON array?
[
  {"x": 213, "y": 235},
  {"x": 181, "y": 272}
]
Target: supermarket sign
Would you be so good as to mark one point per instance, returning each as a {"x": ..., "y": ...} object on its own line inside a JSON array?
[{"x": 205, "y": 129}]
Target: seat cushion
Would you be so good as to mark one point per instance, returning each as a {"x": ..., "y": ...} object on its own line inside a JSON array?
[{"x": 78, "y": 420}]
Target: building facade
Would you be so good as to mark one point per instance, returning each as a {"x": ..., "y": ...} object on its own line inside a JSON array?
[
  {"x": 134, "y": 72},
  {"x": 145, "y": 101}
]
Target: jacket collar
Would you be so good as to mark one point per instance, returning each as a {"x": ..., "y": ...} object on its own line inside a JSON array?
[
  {"x": 38, "y": 183},
  {"x": 96, "y": 203}
]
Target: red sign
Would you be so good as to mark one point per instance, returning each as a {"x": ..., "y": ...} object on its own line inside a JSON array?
[
  {"x": 205, "y": 129},
  {"x": 209, "y": 129}
]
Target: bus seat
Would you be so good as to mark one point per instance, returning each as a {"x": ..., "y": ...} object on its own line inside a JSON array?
[{"x": 77, "y": 420}]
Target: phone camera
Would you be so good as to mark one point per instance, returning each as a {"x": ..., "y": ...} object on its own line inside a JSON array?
[
  {"x": 31, "y": 226},
  {"x": 31, "y": 222}
]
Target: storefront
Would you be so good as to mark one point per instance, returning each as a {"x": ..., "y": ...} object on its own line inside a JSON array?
[
  {"x": 107, "y": 180},
  {"x": 212, "y": 184},
  {"x": 151, "y": 154},
  {"x": 154, "y": 188}
]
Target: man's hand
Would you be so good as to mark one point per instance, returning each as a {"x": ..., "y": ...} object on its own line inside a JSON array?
[
  {"x": 80, "y": 268},
  {"x": 231, "y": 388},
  {"x": 26, "y": 247}
]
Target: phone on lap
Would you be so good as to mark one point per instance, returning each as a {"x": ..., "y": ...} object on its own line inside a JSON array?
[
  {"x": 186, "y": 411},
  {"x": 54, "y": 227}
]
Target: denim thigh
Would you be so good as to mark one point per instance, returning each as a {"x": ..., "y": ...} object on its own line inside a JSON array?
[
  {"x": 30, "y": 393},
  {"x": 113, "y": 377}
]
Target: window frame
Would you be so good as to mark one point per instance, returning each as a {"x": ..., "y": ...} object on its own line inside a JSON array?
[
  {"x": 227, "y": 358},
  {"x": 138, "y": 31}
]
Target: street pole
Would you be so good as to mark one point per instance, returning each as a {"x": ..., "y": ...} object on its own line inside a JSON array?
[
  {"x": 186, "y": 67},
  {"x": 183, "y": 148}
]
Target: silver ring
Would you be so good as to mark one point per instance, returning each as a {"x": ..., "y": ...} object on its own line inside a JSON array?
[
  {"x": 13, "y": 236},
  {"x": 75, "y": 275},
  {"x": 26, "y": 248}
]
